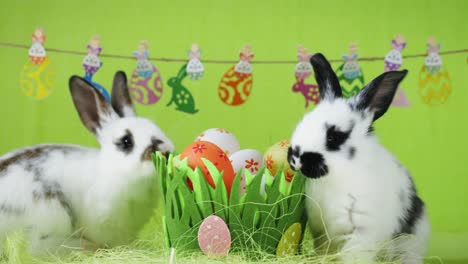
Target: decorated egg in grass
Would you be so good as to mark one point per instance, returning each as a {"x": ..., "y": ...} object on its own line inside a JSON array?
[
  {"x": 289, "y": 242},
  {"x": 204, "y": 149},
  {"x": 246, "y": 159},
  {"x": 214, "y": 237},
  {"x": 222, "y": 138},
  {"x": 277, "y": 156}
]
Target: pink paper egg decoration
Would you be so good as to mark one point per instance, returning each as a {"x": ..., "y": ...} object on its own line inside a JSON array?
[
  {"x": 247, "y": 159},
  {"x": 214, "y": 237}
]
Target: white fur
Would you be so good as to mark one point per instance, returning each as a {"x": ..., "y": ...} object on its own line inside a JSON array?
[
  {"x": 111, "y": 194},
  {"x": 354, "y": 209}
]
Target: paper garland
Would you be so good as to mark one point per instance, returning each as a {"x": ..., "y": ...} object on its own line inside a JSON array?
[
  {"x": 434, "y": 81},
  {"x": 38, "y": 76},
  {"x": 92, "y": 64},
  {"x": 302, "y": 71},
  {"x": 146, "y": 84},
  {"x": 236, "y": 85},
  {"x": 181, "y": 96},
  {"x": 393, "y": 61},
  {"x": 194, "y": 66},
  {"x": 349, "y": 73}
]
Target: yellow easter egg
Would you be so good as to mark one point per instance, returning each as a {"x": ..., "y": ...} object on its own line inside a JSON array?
[
  {"x": 37, "y": 80},
  {"x": 434, "y": 87},
  {"x": 289, "y": 242},
  {"x": 276, "y": 156}
]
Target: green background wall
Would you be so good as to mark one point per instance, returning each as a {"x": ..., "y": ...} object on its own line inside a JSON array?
[{"x": 430, "y": 141}]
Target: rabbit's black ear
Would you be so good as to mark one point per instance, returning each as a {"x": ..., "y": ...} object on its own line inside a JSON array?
[
  {"x": 121, "y": 101},
  {"x": 91, "y": 105},
  {"x": 378, "y": 94},
  {"x": 329, "y": 86}
]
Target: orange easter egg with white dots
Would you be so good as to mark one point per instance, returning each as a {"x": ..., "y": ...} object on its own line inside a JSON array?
[
  {"x": 277, "y": 156},
  {"x": 204, "y": 149}
]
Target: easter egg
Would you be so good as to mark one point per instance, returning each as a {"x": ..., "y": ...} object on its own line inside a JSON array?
[
  {"x": 434, "y": 86},
  {"x": 222, "y": 138},
  {"x": 276, "y": 156},
  {"x": 289, "y": 242},
  {"x": 146, "y": 88},
  {"x": 351, "y": 80},
  {"x": 214, "y": 237},
  {"x": 246, "y": 159},
  {"x": 204, "y": 149},
  {"x": 235, "y": 88},
  {"x": 37, "y": 80}
]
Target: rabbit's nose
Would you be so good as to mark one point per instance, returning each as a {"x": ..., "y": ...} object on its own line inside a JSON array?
[
  {"x": 152, "y": 148},
  {"x": 293, "y": 158}
]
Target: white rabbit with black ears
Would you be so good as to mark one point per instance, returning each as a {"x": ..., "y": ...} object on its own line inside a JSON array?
[
  {"x": 362, "y": 203},
  {"x": 67, "y": 194}
]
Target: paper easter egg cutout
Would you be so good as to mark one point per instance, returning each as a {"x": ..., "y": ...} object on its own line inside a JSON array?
[
  {"x": 38, "y": 76},
  {"x": 435, "y": 85},
  {"x": 236, "y": 85},
  {"x": 146, "y": 84}
]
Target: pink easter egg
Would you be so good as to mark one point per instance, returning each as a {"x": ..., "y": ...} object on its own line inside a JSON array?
[{"x": 214, "y": 237}]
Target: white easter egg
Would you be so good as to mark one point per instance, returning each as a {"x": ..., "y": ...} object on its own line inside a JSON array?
[
  {"x": 214, "y": 237},
  {"x": 247, "y": 159},
  {"x": 222, "y": 138}
]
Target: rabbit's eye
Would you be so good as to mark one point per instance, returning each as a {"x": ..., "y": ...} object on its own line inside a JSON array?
[
  {"x": 125, "y": 143},
  {"x": 335, "y": 138}
]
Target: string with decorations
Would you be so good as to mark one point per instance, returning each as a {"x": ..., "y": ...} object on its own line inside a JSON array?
[{"x": 235, "y": 87}]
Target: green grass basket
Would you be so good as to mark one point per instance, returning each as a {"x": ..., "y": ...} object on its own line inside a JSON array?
[{"x": 256, "y": 221}]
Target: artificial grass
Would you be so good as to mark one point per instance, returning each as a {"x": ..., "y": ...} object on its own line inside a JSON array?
[
  {"x": 257, "y": 219},
  {"x": 151, "y": 248}
]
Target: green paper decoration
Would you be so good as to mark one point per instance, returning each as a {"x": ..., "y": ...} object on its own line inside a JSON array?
[
  {"x": 255, "y": 221},
  {"x": 350, "y": 87},
  {"x": 181, "y": 96}
]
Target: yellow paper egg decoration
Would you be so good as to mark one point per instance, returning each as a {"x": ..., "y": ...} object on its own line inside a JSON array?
[
  {"x": 289, "y": 242},
  {"x": 434, "y": 81},
  {"x": 37, "y": 77},
  {"x": 36, "y": 81},
  {"x": 277, "y": 156}
]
